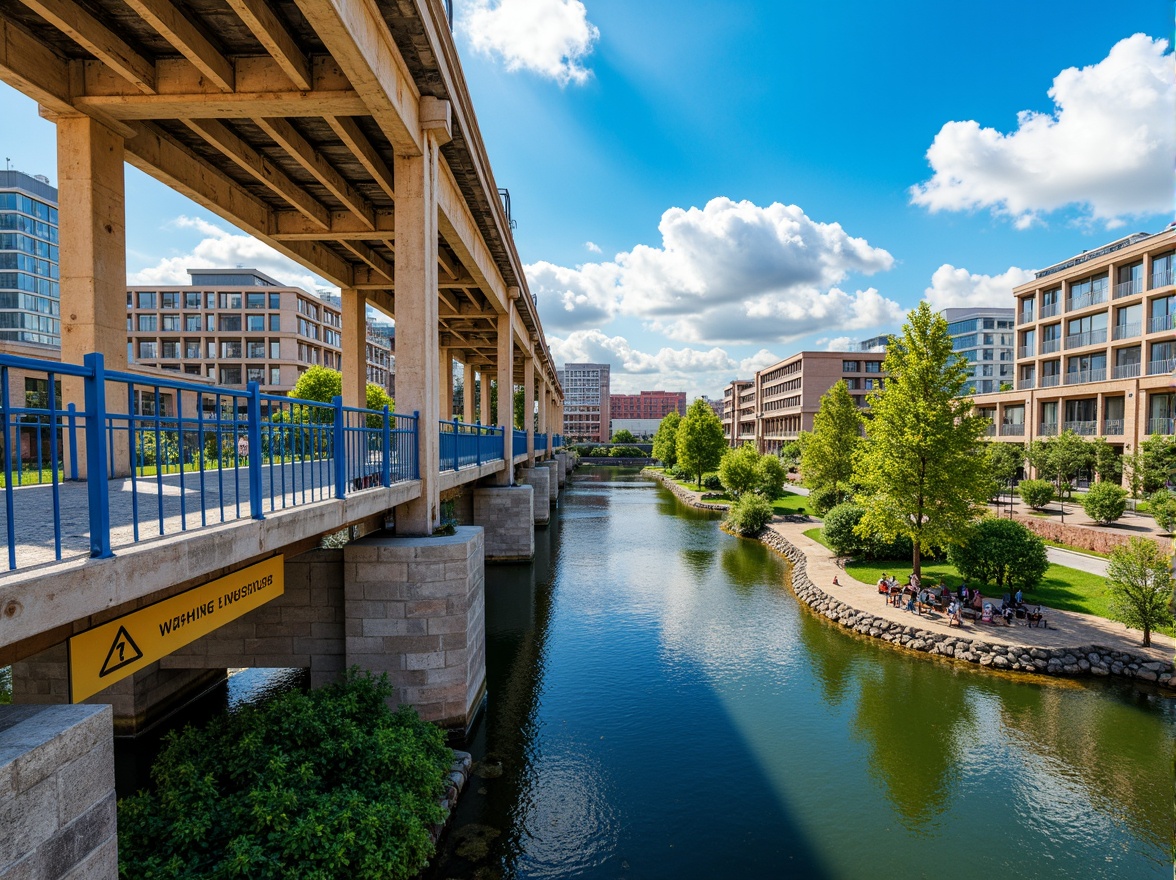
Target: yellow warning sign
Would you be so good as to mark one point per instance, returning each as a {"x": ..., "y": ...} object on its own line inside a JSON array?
[{"x": 105, "y": 654}]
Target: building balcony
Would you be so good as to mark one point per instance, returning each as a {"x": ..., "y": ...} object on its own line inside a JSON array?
[
  {"x": 1024, "y": 351},
  {"x": 1160, "y": 367},
  {"x": 1025, "y": 317},
  {"x": 1083, "y": 429},
  {"x": 1161, "y": 279},
  {"x": 1051, "y": 380},
  {"x": 1127, "y": 288},
  {"x": 1048, "y": 311},
  {"x": 990, "y": 430},
  {"x": 1086, "y": 300},
  {"x": 1126, "y": 331},
  {"x": 1090, "y": 337},
  {"x": 1081, "y": 377},
  {"x": 1125, "y": 371},
  {"x": 1026, "y": 384},
  {"x": 1160, "y": 323},
  {"x": 1161, "y": 426},
  {"x": 1010, "y": 429},
  {"x": 1048, "y": 429},
  {"x": 1113, "y": 427},
  {"x": 1048, "y": 346}
]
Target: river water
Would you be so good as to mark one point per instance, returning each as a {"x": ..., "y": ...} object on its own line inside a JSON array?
[{"x": 661, "y": 706}]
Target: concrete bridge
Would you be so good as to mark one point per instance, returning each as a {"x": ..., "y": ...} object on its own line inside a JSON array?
[{"x": 341, "y": 133}]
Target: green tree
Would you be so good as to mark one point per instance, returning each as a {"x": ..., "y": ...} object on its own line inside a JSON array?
[
  {"x": 921, "y": 469},
  {"x": 749, "y": 514},
  {"x": 700, "y": 440},
  {"x": 827, "y": 453},
  {"x": 737, "y": 469},
  {"x": 1061, "y": 458},
  {"x": 1162, "y": 505},
  {"x": 665, "y": 441},
  {"x": 624, "y": 436},
  {"x": 1003, "y": 460},
  {"x": 1139, "y": 579},
  {"x": 790, "y": 455},
  {"x": 1105, "y": 502},
  {"x": 1001, "y": 552},
  {"x": 1157, "y": 461},
  {"x": 838, "y": 528},
  {"x": 1108, "y": 463},
  {"x": 317, "y": 383},
  {"x": 770, "y": 477},
  {"x": 1036, "y": 493},
  {"x": 520, "y": 403}
]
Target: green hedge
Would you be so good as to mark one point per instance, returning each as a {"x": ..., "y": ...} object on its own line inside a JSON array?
[{"x": 319, "y": 785}]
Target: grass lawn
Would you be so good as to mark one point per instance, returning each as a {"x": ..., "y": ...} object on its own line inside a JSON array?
[
  {"x": 816, "y": 535},
  {"x": 789, "y": 503}
]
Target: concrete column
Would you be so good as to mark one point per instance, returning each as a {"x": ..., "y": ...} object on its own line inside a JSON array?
[
  {"x": 468, "y": 397},
  {"x": 539, "y": 479},
  {"x": 529, "y": 406},
  {"x": 507, "y": 513},
  {"x": 93, "y": 262},
  {"x": 417, "y": 368},
  {"x": 484, "y": 403},
  {"x": 541, "y": 428},
  {"x": 446, "y": 384},
  {"x": 415, "y": 608},
  {"x": 506, "y": 387},
  {"x": 565, "y": 464},
  {"x": 354, "y": 347},
  {"x": 57, "y": 800},
  {"x": 553, "y": 482}
]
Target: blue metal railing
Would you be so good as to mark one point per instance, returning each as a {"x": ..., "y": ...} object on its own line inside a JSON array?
[
  {"x": 464, "y": 445},
  {"x": 519, "y": 445},
  {"x": 540, "y": 442},
  {"x": 191, "y": 455}
]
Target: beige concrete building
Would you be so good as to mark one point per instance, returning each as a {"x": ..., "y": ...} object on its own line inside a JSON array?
[
  {"x": 235, "y": 326},
  {"x": 788, "y": 394},
  {"x": 738, "y": 416},
  {"x": 1096, "y": 347}
]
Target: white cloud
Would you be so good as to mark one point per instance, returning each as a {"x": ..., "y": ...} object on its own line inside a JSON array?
[
  {"x": 547, "y": 37},
  {"x": 729, "y": 272},
  {"x": 959, "y": 288},
  {"x": 672, "y": 369},
  {"x": 592, "y": 246},
  {"x": 1106, "y": 148},
  {"x": 837, "y": 343},
  {"x": 221, "y": 249}
]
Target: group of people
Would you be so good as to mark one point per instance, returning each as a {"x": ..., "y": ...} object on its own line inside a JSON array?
[{"x": 918, "y": 599}]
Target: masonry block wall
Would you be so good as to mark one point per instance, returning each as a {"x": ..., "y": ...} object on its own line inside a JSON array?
[
  {"x": 539, "y": 478},
  {"x": 553, "y": 482},
  {"x": 302, "y": 628},
  {"x": 57, "y": 801},
  {"x": 507, "y": 515},
  {"x": 415, "y": 609},
  {"x": 562, "y": 459}
]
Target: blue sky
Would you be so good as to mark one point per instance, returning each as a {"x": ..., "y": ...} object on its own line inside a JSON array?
[{"x": 701, "y": 188}]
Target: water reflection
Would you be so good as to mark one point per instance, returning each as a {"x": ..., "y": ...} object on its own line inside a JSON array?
[{"x": 659, "y": 706}]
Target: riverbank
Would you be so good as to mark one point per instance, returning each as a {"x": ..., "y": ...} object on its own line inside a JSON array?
[{"x": 1074, "y": 645}]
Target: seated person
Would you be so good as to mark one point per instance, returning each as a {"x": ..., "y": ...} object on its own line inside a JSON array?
[
  {"x": 1036, "y": 618},
  {"x": 953, "y": 614},
  {"x": 1006, "y": 612},
  {"x": 883, "y": 584},
  {"x": 977, "y": 600},
  {"x": 962, "y": 593},
  {"x": 1019, "y": 599},
  {"x": 986, "y": 617}
]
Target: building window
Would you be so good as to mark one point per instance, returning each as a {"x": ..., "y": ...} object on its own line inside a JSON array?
[
  {"x": 275, "y": 375},
  {"x": 192, "y": 299},
  {"x": 209, "y": 300},
  {"x": 191, "y": 323},
  {"x": 849, "y": 367},
  {"x": 170, "y": 323},
  {"x": 255, "y": 300},
  {"x": 210, "y": 323},
  {"x": 255, "y": 374},
  {"x": 873, "y": 366},
  {"x": 147, "y": 324},
  {"x": 230, "y": 375},
  {"x": 171, "y": 349},
  {"x": 146, "y": 299},
  {"x": 255, "y": 323},
  {"x": 146, "y": 350},
  {"x": 169, "y": 300},
  {"x": 275, "y": 347},
  {"x": 229, "y": 323},
  {"x": 275, "y": 301},
  {"x": 230, "y": 301},
  {"x": 192, "y": 348},
  {"x": 275, "y": 323},
  {"x": 255, "y": 349},
  {"x": 230, "y": 349}
]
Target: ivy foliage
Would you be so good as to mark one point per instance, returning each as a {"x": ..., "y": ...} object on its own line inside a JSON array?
[{"x": 306, "y": 786}]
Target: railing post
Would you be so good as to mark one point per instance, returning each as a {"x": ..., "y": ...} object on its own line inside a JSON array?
[
  {"x": 478, "y": 445},
  {"x": 456, "y": 446},
  {"x": 416, "y": 426},
  {"x": 340, "y": 451},
  {"x": 253, "y": 432},
  {"x": 386, "y": 468},
  {"x": 97, "y": 488},
  {"x": 73, "y": 441}
]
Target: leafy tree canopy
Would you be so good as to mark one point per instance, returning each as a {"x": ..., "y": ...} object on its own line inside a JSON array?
[
  {"x": 737, "y": 469},
  {"x": 921, "y": 470},
  {"x": 624, "y": 436},
  {"x": 827, "y": 452},
  {"x": 700, "y": 440},
  {"x": 665, "y": 441},
  {"x": 1001, "y": 552},
  {"x": 1105, "y": 502},
  {"x": 1139, "y": 579}
]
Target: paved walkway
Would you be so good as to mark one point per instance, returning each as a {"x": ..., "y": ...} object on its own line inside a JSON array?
[{"x": 1081, "y": 561}]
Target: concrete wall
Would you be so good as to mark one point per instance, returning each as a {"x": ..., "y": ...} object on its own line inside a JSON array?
[
  {"x": 415, "y": 609},
  {"x": 57, "y": 801},
  {"x": 507, "y": 515},
  {"x": 539, "y": 478}
]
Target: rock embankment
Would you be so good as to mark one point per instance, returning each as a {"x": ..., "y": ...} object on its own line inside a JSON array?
[
  {"x": 686, "y": 495},
  {"x": 1080, "y": 660},
  {"x": 455, "y": 780}
]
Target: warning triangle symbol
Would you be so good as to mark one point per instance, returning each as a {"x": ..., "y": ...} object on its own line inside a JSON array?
[{"x": 123, "y": 652}]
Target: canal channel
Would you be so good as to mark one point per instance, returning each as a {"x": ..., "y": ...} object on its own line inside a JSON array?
[{"x": 661, "y": 706}]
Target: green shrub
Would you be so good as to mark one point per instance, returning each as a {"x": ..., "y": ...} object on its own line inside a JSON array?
[
  {"x": 1162, "y": 505},
  {"x": 1000, "y": 552},
  {"x": 1105, "y": 502},
  {"x": 838, "y": 528},
  {"x": 1036, "y": 493},
  {"x": 598, "y": 452},
  {"x": 770, "y": 476},
  {"x": 749, "y": 514},
  {"x": 626, "y": 452},
  {"x": 712, "y": 482},
  {"x": 825, "y": 499},
  {"x": 737, "y": 469},
  {"x": 326, "y": 784}
]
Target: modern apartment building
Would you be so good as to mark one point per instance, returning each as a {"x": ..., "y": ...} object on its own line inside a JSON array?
[
  {"x": 586, "y": 402},
  {"x": 235, "y": 326},
  {"x": 1096, "y": 347},
  {"x": 788, "y": 393},
  {"x": 738, "y": 416},
  {"x": 984, "y": 336},
  {"x": 647, "y": 405},
  {"x": 29, "y": 295}
]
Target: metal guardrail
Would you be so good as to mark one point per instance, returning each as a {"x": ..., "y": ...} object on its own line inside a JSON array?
[
  {"x": 540, "y": 442},
  {"x": 190, "y": 455},
  {"x": 519, "y": 443},
  {"x": 466, "y": 445}
]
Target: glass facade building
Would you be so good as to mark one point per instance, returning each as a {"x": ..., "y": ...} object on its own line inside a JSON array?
[
  {"x": 985, "y": 338},
  {"x": 30, "y": 299}
]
